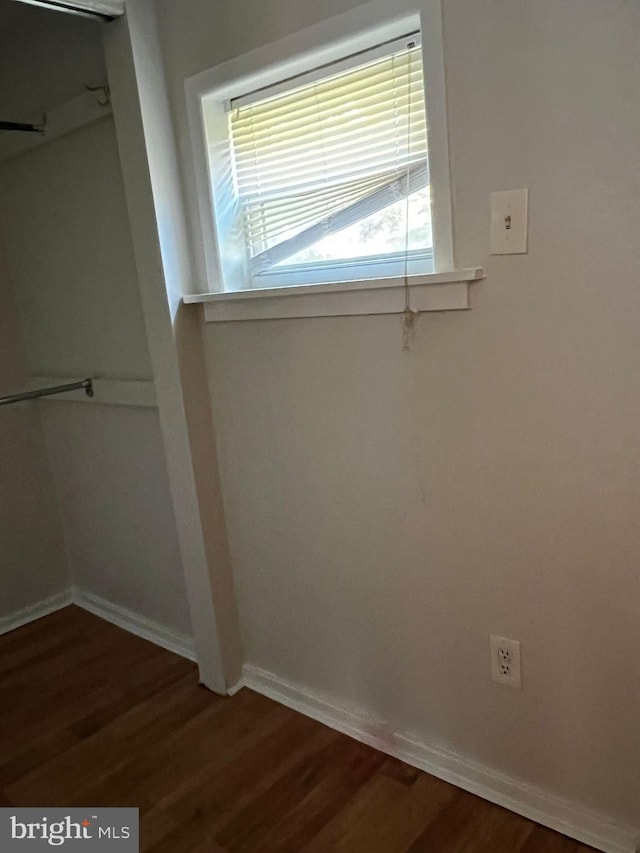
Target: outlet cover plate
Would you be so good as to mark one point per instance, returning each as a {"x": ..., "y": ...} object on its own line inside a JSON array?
[{"x": 505, "y": 661}]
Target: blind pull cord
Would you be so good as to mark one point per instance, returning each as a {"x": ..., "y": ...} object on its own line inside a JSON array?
[{"x": 409, "y": 315}]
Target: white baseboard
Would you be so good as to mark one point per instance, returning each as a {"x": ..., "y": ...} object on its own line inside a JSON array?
[
  {"x": 34, "y": 611},
  {"x": 533, "y": 803},
  {"x": 135, "y": 623},
  {"x": 231, "y": 691}
]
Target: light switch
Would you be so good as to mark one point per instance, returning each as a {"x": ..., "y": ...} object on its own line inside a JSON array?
[{"x": 509, "y": 222}]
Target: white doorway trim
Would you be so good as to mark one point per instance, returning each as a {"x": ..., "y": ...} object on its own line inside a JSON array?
[{"x": 152, "y": 187}]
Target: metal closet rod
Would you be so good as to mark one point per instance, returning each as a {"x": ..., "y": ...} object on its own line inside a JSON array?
[
  {"x": 21, "y": 126},
  {"x": 87, "y": 384}
]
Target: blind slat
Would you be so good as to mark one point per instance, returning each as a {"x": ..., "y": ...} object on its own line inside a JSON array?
[
  {"x": 284, "y": 215},
  {"x": 307, "y": 154},
  {"x": 334, "y": 97}
]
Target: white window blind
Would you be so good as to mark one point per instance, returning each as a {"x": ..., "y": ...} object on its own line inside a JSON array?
[{"x": 329, "y": 153}]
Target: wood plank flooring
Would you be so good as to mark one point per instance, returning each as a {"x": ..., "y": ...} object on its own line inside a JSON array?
[{"x": 93, "y": 716}]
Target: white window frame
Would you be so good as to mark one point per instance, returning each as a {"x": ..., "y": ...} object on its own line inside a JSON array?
[{"x": 220, "y": 247}]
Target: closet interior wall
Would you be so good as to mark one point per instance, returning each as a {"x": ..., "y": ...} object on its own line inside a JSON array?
[
  {"x": 32, "y": 559},
  {"x": 94, "y": 474}
]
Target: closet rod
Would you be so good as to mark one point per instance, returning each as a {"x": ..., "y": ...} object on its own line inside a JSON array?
[
  {"x": 21, "y": 126},
  {"x": 87, "y": 384}
]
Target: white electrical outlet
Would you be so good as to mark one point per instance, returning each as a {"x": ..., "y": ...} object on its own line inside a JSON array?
[{"x": 505, "y": 661}]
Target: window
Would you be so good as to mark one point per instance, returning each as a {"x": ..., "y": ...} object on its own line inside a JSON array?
[
  {"x": 330, "y": 170},
  {"x": 317, "y": 189}
]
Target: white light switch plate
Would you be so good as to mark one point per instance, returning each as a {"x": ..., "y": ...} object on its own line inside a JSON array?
[{"x": 509, "y": 227}]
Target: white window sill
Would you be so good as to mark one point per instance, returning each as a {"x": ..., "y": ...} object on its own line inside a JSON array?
[{"x": 440, "y": 291}]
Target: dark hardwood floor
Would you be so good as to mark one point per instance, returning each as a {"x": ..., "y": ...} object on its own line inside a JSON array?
[{"x": 92, "y": 716}]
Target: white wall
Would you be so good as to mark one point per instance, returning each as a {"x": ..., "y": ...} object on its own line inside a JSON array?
[
  {"x": 32, "y": 559},
  {"x": 77, "y": 294},
  {"x": 388, "y": 510},
  {"x": 117, "y": 514},
  {"x": 69, "y": 249}
]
